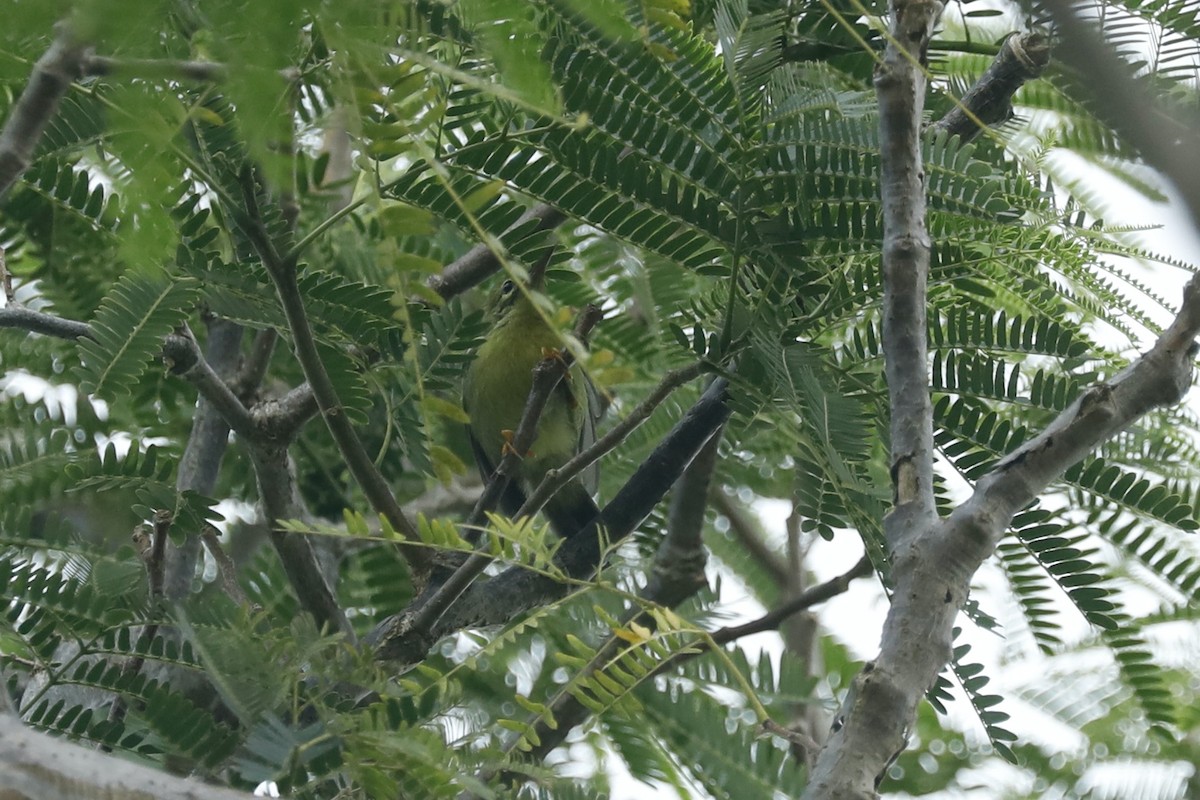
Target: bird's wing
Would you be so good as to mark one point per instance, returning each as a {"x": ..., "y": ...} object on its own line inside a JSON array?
[
  {"x": 592, "y": 412},
  {"x": 513, "y": 498}
]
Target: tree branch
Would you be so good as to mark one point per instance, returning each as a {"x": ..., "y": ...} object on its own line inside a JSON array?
[
  {"x": 678, "y": 569},
  {"x": 151, "y": 68},
  {"x": 900, "y": 85},
  {"x": 932, "y": 566},
  {"x": 805, "y": 600},
  {"x": 254, "y": 369},
  {"x": 26, "y": 319},
  {"x": 479, "y": 262},
  {"x": 276, "y": 487},
  {"x": 217, "y": 392},
  {"x": 181, "y": 354},
  {"x": 1022, "y": 57},
  {"x": 849, "y": 764},
  {"x": 37, "y": 765},
  {"x": 200, "y": 464},
  {"x": 933, "y": 572},
  {"x": 155, "y": 557},
  {"x": 52, "y": 76},
  {"x": 281, "y": 418},
  {"x": 358, "y": 460},
  {"x": 225, "y": 566},
  {"x": 556, "y": 479},
  {"x": 746, "y": 530}
]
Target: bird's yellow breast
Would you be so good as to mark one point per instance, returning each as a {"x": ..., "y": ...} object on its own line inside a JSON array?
[{"x": 498, "y": 383}]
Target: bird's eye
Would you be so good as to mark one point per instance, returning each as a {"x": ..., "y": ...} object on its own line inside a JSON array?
[{"x": 507, "y": 287}]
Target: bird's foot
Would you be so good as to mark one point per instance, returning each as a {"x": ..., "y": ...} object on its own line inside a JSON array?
[
  {"x": 508, "y": 447},
  {"x": 553, "y": 352}
]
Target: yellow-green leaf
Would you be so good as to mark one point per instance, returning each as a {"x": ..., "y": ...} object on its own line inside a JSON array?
[{"x": 444, "y": 408}]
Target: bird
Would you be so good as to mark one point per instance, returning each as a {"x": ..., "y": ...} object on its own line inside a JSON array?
[{"x": 495, "y": 388}]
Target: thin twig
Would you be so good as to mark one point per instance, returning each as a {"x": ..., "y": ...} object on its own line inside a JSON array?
[
  {"x": 6, "y": 280},
  {"x": 26, "y": 319},
  {"x": 254, "y": 368},
  {"x": 748, "y": 536},
  {"x": 156, "y": 564},
  {"x": 154, "y": 555},
  {"x": 225, "y": 566},
  {"x": 179, "y": 352},
  {"x": 801, "y": 602},
  {"x": 589, "y": 318},
  {"x": 217, "y": 391}
]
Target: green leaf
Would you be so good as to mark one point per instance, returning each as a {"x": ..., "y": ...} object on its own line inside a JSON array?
[{"x": 128, "y": 331}]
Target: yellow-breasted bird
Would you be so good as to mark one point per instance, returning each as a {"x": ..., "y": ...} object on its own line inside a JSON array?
[{"x": 495, "y": 389}]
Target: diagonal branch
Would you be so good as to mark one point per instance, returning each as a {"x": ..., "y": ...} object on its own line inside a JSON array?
[
  {"x": 1022, "y": 57},
  {"x": 556, "y": 479},
  {"x": 749, "y": 535},
  {"x": 52, "y": 77},
  {"x": 480, "y": 261}
]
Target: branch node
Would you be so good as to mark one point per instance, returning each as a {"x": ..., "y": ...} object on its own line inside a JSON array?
[{"x": 1096, "y": 403}]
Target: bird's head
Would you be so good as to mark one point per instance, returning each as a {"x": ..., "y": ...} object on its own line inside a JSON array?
[
  {"x": 503, "y": 299},
  {"x": 510, "y": 295}
]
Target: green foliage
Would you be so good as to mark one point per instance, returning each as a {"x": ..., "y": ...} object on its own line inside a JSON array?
[
  {"x": 719, "y": 163},
  {"x": 128, "y": 330}
]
